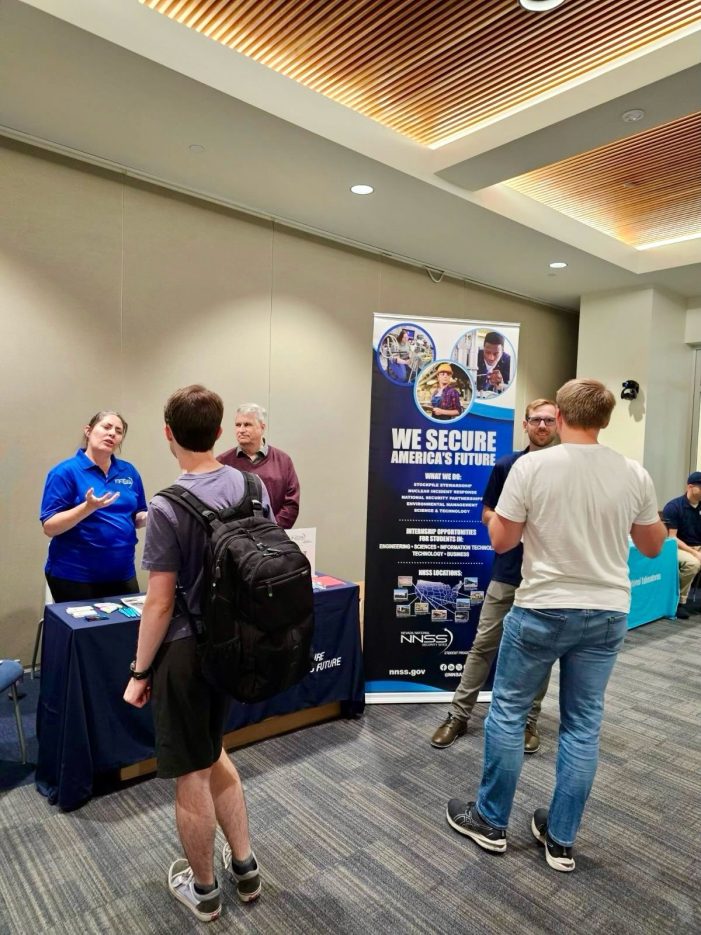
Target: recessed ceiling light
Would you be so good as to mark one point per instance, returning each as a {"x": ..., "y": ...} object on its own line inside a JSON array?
[
  {"x": 362, "y": 189},
  {"x": 557, "y": 264},
  {"x": 540, "y": 5},
  {"x": 632, "y": 116},
  {"x": 196, "y": 148}
]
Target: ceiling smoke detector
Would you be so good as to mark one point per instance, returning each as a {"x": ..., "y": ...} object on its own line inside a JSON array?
[{"x": 538, "y": 6}]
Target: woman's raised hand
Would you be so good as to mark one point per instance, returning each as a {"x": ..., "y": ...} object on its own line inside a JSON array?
[{"x": 97, "y": 503}]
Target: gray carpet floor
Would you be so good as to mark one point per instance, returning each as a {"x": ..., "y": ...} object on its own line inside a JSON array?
[{"x": 348, "y": 824}]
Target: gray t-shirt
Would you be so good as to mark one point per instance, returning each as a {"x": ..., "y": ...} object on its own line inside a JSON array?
[{"x": 175, "y": 541}]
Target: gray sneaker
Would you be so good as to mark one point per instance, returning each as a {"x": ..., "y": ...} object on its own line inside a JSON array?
[
  {"x": 248, "y": 884},
  {"x": 181, "y": 883}
]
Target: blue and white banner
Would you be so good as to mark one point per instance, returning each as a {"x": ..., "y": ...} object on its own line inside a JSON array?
[{"x": 443, "y": 394}]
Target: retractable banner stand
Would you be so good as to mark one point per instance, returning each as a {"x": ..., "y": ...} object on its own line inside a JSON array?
[{"x": 442, "y": 412}]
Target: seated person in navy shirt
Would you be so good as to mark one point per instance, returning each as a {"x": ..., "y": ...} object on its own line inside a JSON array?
[
  {"x": 683, "y": 519},
  {"x": 93, "y": 504}
]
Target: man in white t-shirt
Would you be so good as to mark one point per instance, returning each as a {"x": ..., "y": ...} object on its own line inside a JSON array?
[{"x": 574, "y": 506}]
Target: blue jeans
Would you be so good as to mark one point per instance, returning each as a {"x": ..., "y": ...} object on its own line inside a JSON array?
[{"x": 586, "y": 642}]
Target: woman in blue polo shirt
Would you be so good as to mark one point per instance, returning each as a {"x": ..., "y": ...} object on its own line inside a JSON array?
[{"x": 93, "y": 504}]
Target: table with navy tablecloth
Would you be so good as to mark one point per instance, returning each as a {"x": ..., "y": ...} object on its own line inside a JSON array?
[{"x": 86, "y": 730}]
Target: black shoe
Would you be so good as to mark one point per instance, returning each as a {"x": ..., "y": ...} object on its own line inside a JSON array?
[
  {"x": 559, "y": 857},
  {"x": 465, "y": 819},
  {"x": 682, "y": 612},
  {"x": 446, "y": 735}
]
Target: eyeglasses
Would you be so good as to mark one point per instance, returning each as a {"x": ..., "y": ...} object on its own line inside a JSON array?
[{"x": 536, "y": 420}]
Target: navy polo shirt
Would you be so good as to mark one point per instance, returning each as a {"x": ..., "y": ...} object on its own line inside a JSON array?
[
  {"x": 101, "y": 546},
  {"x": 507, "y": 566},
  {"x": 679, "y": 514}
]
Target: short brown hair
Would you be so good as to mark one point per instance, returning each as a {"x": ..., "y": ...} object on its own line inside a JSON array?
[
  {"x": 194, "y": 415},
  {"x": 537, "y": 403},
  {"x": 585, "y": 404}
]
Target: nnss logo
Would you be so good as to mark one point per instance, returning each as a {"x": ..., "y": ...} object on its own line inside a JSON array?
[
  {"x": 440, "y": 641},
  {"x": 127, "y": 481}
]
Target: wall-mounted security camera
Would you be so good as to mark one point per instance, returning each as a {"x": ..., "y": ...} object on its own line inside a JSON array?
[{"x": 630, "y": 390}]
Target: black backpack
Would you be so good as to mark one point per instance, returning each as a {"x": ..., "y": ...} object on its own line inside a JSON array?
[{"x": 257, "y": 603}]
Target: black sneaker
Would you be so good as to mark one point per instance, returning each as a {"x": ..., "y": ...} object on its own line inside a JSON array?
[
  {"x": 682, "y": 612},
  {"x": 465, "y": 819},
  {"x": 559, "y": 857}
]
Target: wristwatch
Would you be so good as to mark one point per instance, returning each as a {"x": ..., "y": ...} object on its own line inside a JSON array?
[{"x": 139, "y": 676}]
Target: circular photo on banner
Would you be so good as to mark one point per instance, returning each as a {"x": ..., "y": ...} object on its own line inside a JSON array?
[
  {"x": 490, "y": 359},
  {"x": 444, "y": 391},
  {"x": 403, "y": 351}
]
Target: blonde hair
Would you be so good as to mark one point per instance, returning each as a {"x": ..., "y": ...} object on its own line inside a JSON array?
[
  {"x": 585, "y": 404},
  {"x": 537, "y": 403}
]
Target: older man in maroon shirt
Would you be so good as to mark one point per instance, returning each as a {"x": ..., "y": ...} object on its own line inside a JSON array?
[{"x": 274, "y": 467}]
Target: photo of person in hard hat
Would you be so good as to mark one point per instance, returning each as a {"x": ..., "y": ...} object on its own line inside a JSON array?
[{"x": 445, "y": 391}]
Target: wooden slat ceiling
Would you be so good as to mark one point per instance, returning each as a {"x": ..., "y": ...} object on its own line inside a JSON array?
[
  {"x": 432, "y": 69},
  {"x": 641, "y": 190}
]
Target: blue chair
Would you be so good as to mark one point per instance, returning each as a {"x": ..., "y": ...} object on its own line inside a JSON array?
[{"x": 10, "y": 673}]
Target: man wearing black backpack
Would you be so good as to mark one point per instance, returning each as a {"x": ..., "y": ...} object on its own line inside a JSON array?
[{"x": 189, "y": 714}]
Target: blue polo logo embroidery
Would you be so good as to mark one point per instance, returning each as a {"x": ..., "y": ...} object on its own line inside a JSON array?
[{"x": 127, "y": 481}]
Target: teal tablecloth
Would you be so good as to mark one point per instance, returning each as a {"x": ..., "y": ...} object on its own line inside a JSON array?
[{"x": 654, "y": 583}]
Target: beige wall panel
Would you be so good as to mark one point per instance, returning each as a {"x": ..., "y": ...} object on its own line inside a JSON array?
[
  {"x": 324, "y": 300},
  {"x": 669, "y": 398},
  {"x": 548, "y": 356},
  {"x": 408, "y": 291},
  {"x": 60, "y": 247},
  {"x": 116, "y": 294},
  {"x": 640, "y": 335},
  {"x": 615, "y": 335},
  {"x": 196, "y": 310}
]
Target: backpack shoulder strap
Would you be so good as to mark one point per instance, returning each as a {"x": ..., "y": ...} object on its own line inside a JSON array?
[
  {"x": 203, "y": 513},
  {"x": 253, "y": 491}
]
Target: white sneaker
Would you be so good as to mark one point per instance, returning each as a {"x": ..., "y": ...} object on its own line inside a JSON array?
[
  {"x": 247, "y": 884},
  {"x": 181, "y": 883}
]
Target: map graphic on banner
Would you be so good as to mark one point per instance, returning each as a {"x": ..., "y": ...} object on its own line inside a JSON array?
[{"x": 442, "y": 412}]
